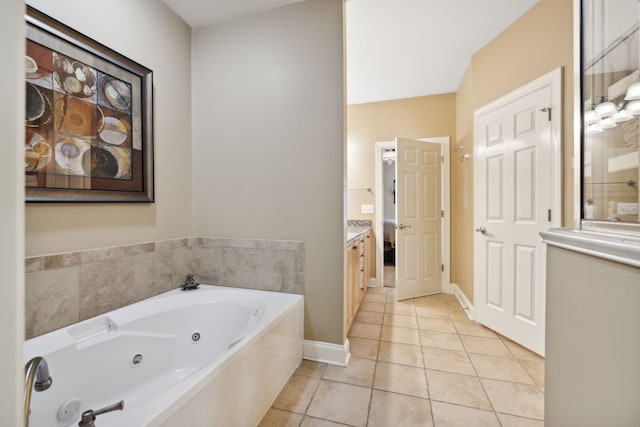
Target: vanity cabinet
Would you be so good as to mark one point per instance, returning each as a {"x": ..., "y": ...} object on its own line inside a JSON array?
[
  {"x": 360, "y": 252},
  {"x": 369, "y": 257},
  {"x": 593, "y": 329}
]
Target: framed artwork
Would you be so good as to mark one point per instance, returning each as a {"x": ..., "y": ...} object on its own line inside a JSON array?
[{"x": 89, "y": 119}]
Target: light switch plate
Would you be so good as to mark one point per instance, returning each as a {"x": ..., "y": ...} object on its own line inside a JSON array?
[
  {"x": 366, "y": 209},
  {"x": 627, "y": 209}
]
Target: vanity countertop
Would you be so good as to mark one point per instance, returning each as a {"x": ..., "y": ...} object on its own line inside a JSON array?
[
  {"x": 355, "y": 232},
  {"x": 615, "y": 247}
]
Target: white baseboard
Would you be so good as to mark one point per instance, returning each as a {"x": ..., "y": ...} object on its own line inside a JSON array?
[
  {"x": 373, "y": 283},
  {"x": 333, "y": 354},
  {"x": 464, "y": 301}
]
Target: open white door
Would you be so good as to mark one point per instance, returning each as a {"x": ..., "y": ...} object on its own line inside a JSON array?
[
  {"x": 516, "y": 182},
  {"x": 418, "y": 219}
]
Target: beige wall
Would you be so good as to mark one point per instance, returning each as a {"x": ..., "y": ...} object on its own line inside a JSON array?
[
  {"x": 420, "y": 117},
  {"x": 151, "y": 34},
  {"x": 462, "y": 190},
  {"x": 12, "y": 212},
  {"x": 539, "y": 42},
  {"x": 268, "y": 142}
]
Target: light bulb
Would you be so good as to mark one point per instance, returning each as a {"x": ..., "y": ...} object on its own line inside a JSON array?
[
  {"x": 633, "y": 92},
  {"x": 606, "y": 109},
  {"x": 633, "y": 107},
  {"x": 591, "y": 117},
  {"x": 621, "y": 116},
  {"x": 607, "y": 123}
]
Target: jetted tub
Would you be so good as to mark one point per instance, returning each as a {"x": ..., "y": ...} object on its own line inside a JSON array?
[{"x": 213, "y": 356}]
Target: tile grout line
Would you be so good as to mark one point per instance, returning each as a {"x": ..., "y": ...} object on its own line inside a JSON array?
[
  {"x": 375, "y": 366},
  {"x": 306, "y": 409},
  {"x": 389, "y": 310},
  {"x": 493, "y": 409},
  {"x": 426, "y": 378}
]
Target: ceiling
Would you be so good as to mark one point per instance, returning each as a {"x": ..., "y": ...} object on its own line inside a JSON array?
[
  {"x": 197, "y": 13},
  {"x": 395, "y": 48}
]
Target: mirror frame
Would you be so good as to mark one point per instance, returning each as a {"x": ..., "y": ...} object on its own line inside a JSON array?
[{"x": 578, "y": 141}]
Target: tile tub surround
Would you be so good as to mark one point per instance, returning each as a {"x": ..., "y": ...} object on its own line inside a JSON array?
[
  {"x": 268, "y": 265},
  {"x": 63, "y": 289}
]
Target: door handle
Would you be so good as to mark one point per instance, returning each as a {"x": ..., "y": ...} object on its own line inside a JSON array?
[
  {"x": 402, "y": 226},
  {"x": 481, "y": 230}
]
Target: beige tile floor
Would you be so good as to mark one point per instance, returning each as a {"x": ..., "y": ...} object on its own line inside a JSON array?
[{"x": 420, "y": 362}]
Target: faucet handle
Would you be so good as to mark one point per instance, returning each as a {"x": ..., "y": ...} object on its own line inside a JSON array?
[
  {"x": 88, "y": 417},
  {"x": 189, "y": 283}
]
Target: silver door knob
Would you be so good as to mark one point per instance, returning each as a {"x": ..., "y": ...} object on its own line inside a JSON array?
[
  {"x": 402, "y": 226},
  {"x": 481, "y": 230}
]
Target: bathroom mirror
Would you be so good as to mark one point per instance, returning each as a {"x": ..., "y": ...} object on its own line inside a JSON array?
[{"x": 610, "y": 89}]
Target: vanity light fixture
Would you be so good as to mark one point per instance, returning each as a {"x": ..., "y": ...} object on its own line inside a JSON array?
[
  {"x": 606, "y": 109},
  {"x": 591, "y": 117},
  {"x": 633, "y": 107},
  {"x": 606, "y": 115},
  {"x": 621, "y": 116},
  {"x": 607, "y": 123},
  {"x": 389, "y": 157},
  {"x": 633, "y": 92},
  {"x": 593, "y": 129}
]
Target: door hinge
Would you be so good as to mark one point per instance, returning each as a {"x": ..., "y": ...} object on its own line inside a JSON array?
[
  {"x": 442, "y": 214},
  {"x": 549, "y": 215},
  {"x": 442, "y": 267},
  {"x": 442, "y": 159},
  {"x": 548, "y": 111}
]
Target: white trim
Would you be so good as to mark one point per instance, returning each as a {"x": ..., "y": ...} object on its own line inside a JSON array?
[
  {"x": 463, "y": 300},
  {"x": 631, "y": 228},
  {"x": 576, "y": 161},
  {"x": 333, "y": 354},
  {"x": 445, "y": 192},
  {"x": 613, "y": 247},
  {"x": 12, "y": 244}
]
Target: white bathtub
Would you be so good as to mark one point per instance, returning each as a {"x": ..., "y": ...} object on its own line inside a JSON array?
[{"x": 214, "y": 356}]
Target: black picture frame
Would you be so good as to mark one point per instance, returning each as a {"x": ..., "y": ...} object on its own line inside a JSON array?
[{"x": 89, "y": 118}]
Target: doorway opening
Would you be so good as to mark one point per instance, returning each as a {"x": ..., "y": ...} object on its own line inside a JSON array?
[{"x": 389, "y": 216}]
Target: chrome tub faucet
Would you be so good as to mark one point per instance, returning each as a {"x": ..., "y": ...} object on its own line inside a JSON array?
[
  {"x": 189, "y": 283},
  {"x": 36, "y": 369}
]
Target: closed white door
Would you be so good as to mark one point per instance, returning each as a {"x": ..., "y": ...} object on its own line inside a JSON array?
[
  {"x": 418, "y": 219},
  {"x": 513, "y": 203}
]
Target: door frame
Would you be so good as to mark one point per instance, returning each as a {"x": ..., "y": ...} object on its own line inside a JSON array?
[
  {"x": 553, "y": 80},
  {"x": 444, "y": 142}
]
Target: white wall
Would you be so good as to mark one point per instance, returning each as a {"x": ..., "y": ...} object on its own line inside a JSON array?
[
  {"x": 268, "y": 141},
  {"x": 148, "y": 32},
  {"x": 11, "y": 212}
]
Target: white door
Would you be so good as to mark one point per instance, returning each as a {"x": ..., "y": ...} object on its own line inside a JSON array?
[
  {"x": 418, "y": 219},
  {"x": 513, "y": 203}
]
